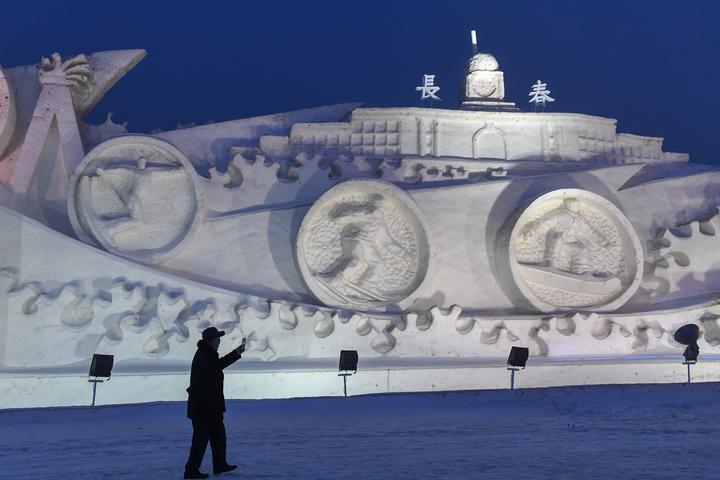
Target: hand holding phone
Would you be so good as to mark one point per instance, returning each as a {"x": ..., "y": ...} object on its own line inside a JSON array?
[{"x": 241, "y": 348}]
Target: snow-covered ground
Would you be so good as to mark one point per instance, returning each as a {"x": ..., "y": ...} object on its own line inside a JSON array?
[{"x": 603, "y": 432}]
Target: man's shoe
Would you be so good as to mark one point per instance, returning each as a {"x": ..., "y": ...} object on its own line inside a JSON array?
[
  {"x": 223, "y": 469},
  {"x": 195, "y": 474}
]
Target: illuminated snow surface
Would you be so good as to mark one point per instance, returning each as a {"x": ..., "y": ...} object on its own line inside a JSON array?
[{"x": 609, "y": 432}]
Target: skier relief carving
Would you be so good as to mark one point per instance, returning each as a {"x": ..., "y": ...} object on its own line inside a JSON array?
[
  {"x": 136, "y": 197},
  {"x": 572, "y": 249},
  {"x": 362, "y": 245}
]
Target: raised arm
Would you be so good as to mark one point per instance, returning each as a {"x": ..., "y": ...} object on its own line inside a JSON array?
[{"x": 230, "y": 358}]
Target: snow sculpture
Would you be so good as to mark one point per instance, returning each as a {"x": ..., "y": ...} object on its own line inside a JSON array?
[
  {"x": 136, "y": 196},
  {"x": 574, "y": 249},
  {"x": 413, "y": 235},
  {"x": 363, "y": 245}
]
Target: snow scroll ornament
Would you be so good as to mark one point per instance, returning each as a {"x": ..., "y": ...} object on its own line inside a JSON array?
[{"x": 540, "y": 95}]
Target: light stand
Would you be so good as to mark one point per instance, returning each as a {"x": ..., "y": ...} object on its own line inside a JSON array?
[
  {"x": 344, "y": 375},
  {"x": 690, "y": 355},
  {"x": 512, "y": 376},
  {"x": 688, "y": 367},
  {"x": 94, "y": 381}
]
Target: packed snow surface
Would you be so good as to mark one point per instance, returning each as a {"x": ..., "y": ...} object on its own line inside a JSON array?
[{"x": 608, "y": 432}]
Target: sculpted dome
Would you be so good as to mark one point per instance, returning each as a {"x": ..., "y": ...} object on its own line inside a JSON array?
[{"x": 482, "y": 62}]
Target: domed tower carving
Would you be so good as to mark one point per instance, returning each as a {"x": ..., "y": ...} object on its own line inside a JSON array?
[{"x": 484, "y": 85}]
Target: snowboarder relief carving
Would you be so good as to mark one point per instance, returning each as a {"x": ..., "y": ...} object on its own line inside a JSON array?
[{"x": 573, "y": 252}]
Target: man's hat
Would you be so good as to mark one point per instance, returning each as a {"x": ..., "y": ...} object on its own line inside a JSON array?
[{"x": 212, "y": 333}]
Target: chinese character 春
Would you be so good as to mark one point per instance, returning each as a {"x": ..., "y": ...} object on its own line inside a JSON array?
[{"x": 540, "y": 94}]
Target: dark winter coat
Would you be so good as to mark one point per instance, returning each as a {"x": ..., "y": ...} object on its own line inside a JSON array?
[{"x": 206, "y": 399}]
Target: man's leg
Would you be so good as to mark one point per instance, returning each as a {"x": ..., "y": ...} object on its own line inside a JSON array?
[
  {"x": 201, "y": 434},
  {"x": 218, "y": 443}
]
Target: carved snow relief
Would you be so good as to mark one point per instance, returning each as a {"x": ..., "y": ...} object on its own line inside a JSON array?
[
  {"x": 75, "y": 73},
  {"x": 363, "y": 245},
  {"x": 7, "y": 113},
  {"x": 682, "y": 261},
  {"x": 573, "y": 249},
  {"x": 135, "y": 196}
]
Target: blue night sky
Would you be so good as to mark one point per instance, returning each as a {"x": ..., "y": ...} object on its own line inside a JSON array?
[{"x": 653, "y": 65}]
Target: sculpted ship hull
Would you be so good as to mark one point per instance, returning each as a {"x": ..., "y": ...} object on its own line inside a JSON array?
[{"x": 406, "y": 234}]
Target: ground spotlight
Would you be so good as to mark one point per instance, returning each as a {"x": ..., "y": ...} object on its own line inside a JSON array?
[
  {"x": 348, "y": 366},
  {"x": 688, "y": 335},
  {"x": 101, "y": 366},
  {"x": 516, "y": 361}
]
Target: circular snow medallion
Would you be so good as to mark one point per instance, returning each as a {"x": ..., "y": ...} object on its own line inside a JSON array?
[
  {"x": 573, "y": 249},
  {"x": 7, "y": 113},
  {"x": 483, "y": 88},
  {"x": 135, "y": 196},
  {"x": 363, "y": 245}
]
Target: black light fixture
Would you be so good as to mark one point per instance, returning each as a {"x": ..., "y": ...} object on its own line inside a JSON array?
[
  {"x": 348, "y": 360},
  {"x": 101, "y": 366},
  {"x": 518, "y": 357},
  {"x": 688, "y": 335},
  {"x": 348, "y": 363},
  {"x": 516, "y": 361}
]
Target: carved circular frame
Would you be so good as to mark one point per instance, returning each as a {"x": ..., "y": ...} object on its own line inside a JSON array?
[
  {"x": 631, "y": 245},
  {"x": 89, "y": 234},
  {"x": 411, "y": 213}
]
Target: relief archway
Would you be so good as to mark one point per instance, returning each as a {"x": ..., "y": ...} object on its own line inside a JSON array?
[{"x": 489, "y": 142}]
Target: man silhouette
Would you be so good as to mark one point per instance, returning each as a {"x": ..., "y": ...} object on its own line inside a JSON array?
[{"x": 206, "y": 403}]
